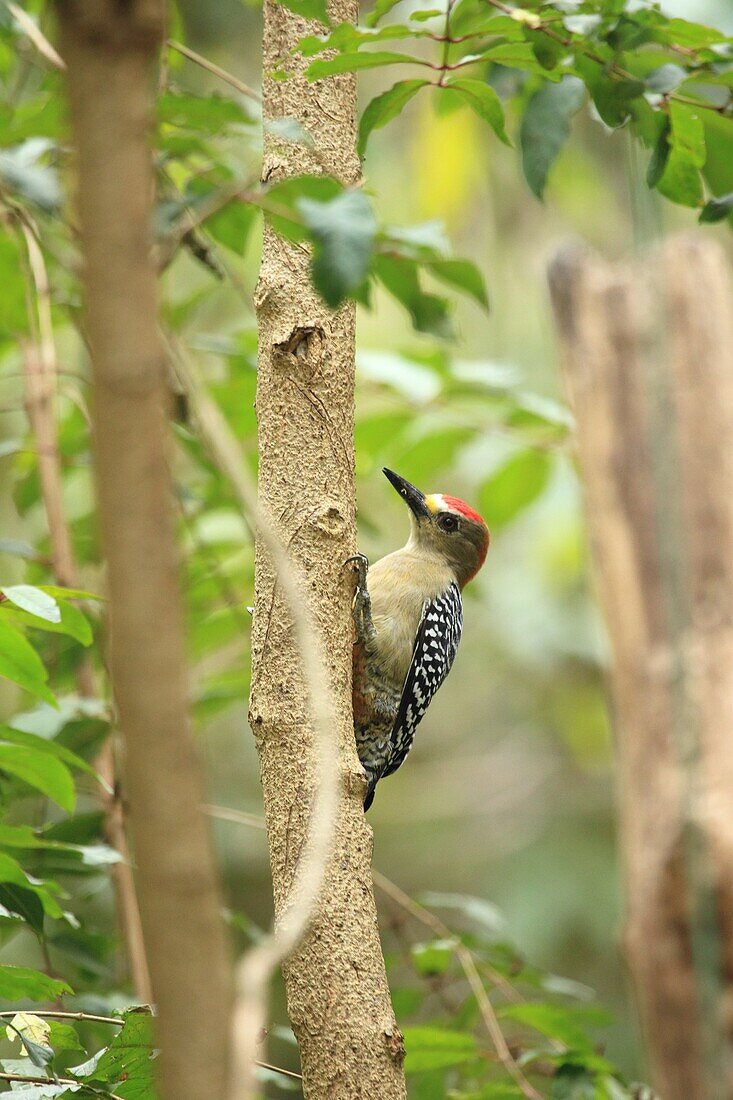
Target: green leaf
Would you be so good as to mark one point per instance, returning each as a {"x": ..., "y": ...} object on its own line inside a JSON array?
[
  {"x": 72, "y": 622},
  {"x": 681, "y": 181},
  {"x": 63, "y": 1037},
  {"x": 48, "y": 746},
  {"x": 575, "y": 1083},
  {"x": 39, "y": 1055},
  {"x": 665, "y": 79},
  {"x": 717, "y": 208},
  {"x": 346, "y": 38},
  {"x": 519, "y": 55},
  {"x": 281, "y": 202},
  {"x": 383, "y": 108},
  {"x": 547, "y": 50},
  {"x": 516, "y": 485},
  {"x": 434, "y": 958},
  {"x": 660, "y": 155},
  {"x": 60, "y": 593},
  {"x": 232, "y": 224},
  {"x": 309, "y": 9},
  {"x": 24, "y": 903},
  {"x": 20, "y": 663},
  {"x": 343, "y": 232},
  {"x": 482, "y": 99},
  {"x": 424, "y": 241},
  {"x": 461, "y": 274},
  {"x": 13, "y": 874},
  {"x": 33, "y": 600},
  {"x": 569, "y": 1026},
  {"x": 39, "y": 770},
  {"x": 430, "y": 1048},
  {"x": 351, "y": 62},
  {"x": 24, "y": 174},
  {"x": 612, "y": 96},
  {"x": 19, "y": 983},
  {"x": 382, "y": 7},
  {"x": 479, "y": 911},
  {"x": 428, "y": 312},
  {"x": 130, "y": 1058},
  {"x": 206, "y": 114},
  {"x": 546, "y": 126},
  {"x": 694, "y": 35}
]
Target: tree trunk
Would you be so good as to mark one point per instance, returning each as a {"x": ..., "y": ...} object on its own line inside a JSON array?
[
  {"x": 110, "y": 50},
  {"x": 337, "y": 989},
  {"x": 648, "y": 356},
  {"x": 40, "y": 370}
]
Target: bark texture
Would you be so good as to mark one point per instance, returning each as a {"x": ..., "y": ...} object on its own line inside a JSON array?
[
  {"x": 110, "y": 49},
  {"x": 648, "y": 356},
  {"x": 338, "y": 997}
]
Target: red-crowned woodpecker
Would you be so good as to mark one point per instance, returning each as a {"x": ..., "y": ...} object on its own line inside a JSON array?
[{"x": 408, "y": 624}]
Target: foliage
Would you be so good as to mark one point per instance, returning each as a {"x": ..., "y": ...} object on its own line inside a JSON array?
[
  {"x": 422, "y": 411},
  {"x": 665, "y": 77}
]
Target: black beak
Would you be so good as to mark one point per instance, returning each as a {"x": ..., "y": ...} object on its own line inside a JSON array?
[{"x": 415, "y": 499}]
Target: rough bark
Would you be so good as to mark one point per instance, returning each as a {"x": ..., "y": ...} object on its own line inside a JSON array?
[
  {"x": 648, "y": 356},
  {"x": 338, "y": 997},
  {"x": 110, "y": 49}
]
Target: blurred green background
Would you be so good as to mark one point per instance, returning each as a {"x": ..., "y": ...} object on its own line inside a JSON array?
[{"x": 508, "y": 792}]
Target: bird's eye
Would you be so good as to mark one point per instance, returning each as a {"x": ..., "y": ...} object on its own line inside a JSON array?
[{"x": 447, "y": 522}]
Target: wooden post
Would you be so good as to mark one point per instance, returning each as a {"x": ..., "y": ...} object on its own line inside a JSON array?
[{"x": 647, "y": 350}]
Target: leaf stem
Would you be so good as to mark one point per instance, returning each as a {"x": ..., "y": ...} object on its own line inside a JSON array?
[
  {"x": 28, "y": 1080},
  {"x": 446, "y": 44}
]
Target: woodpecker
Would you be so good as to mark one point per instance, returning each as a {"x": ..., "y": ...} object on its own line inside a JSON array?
[{"x": 408, "y": 621}]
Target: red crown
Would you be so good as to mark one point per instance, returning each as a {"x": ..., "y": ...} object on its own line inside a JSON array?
[{"x": 466, "y": 510}]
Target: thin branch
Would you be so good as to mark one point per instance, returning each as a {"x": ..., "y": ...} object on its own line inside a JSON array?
[
  {"x": 118, "y": 1022},
  {"x": 279, "y": 1069},
  {"x": 473, "y": 977},
  {"x": 57, "y": 1080},
  {"x": 41, "y": 372},
  {"x": 58, "y": 1015},
  {"x": 214, "y": 69},
  {"x": 617, "y": 70},
  {"x": 436, "y": 925},
  {"x": 260, "y": 962},
  {"x": 447, "y": 41},
  {"x": 240, "y": 817},
  {"x": 35, "y": 35}
]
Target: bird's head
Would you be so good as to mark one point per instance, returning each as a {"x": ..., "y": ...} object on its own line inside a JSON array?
[{"x": 445, "y": 526}]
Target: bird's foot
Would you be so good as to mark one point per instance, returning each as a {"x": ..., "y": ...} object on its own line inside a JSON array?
[{"x": 362, "y": 606}]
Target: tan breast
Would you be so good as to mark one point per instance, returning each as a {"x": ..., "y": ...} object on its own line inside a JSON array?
[{"x": 399, "y": 584}]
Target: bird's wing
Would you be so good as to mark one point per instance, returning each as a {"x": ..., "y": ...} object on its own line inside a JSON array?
[{"x": 435, "y": 647}]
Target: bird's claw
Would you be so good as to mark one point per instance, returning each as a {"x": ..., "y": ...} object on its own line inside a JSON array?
[
  {"x": 362, "y": 606},
  {"x": 361, "y": 568}
]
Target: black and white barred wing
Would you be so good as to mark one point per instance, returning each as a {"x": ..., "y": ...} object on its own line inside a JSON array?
[{"x": 435, "y": 647}]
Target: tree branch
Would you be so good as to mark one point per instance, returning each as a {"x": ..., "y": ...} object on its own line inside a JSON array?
[
  {"x": 257, "y": 967},
  {"x": 40, "y": 364},
  {"x": 110, "y": 51}
]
